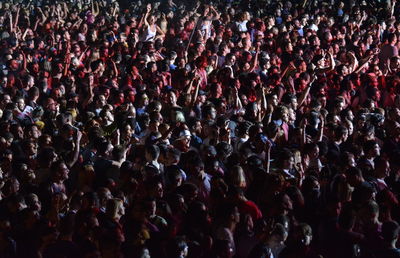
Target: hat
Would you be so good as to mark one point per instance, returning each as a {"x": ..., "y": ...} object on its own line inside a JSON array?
[
  {"x": 72, "y": 95},
  {"x": 202, "y": 93},
  {"x": 5, "y": 35},
  {"x": 184, "y": 134}
]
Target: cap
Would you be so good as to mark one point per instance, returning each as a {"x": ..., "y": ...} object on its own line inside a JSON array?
[
  {"x": 72, "y": 95},
  {"x": 184, "y": 134}
]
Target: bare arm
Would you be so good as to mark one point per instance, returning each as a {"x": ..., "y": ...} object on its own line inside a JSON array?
[
  {"x": 89, "y": 98},
  {"x": 190, "y": 87},
  {"x": 238, "y": 103},
  {"x": 160, "y": 31},
  {"x": 255, "y": 60},
  {"x": 11, "y": 21},
  {"x": 305, "y": 93},
  {"x": 196, "y": 93},
  {"x": 392, "y": 8},
  {"x": 36, "y": 25},
  {"x": 320, "y": 129},
  {"x": 364, "y": 63},
  {"x": 268, "y": 146},
  {"x": 115, "y": 68},
  {"x": 216, "y": 14},
  {"x": 77, "y": 148},
  {"x": 144, "y": 18},
  {"x": 16, "y": 18},
  {"x": 330, "y": 67},
  {"x": 354, "y": 62},
  {"x": 44, "y": 17}
]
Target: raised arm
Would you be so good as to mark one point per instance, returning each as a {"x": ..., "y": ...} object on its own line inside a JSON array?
[
  {"x": 267, "y": 149},
  {"x": 216, "y": 14},
  {"x": 196, "y": 93},
  {"x": 255, "y": 60},
  {"x": 331, "y": 66},
  {"x": 320, "y": 128},
  {"x": 77, "y": 148},
  {"x": 305, "y": 93},
  {"x": 143, "y": 21},
  {"x": 354, "y": 62},
  {"x": 16, "y": 18}
]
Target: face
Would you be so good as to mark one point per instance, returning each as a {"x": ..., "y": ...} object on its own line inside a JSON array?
[
  {"x": 19, "y": 132},
  {"x": 121, "y": 209},
  {"x": 172, "y": 98},
  {"x": 52, "y": 105},
  {"x": 274, "y": 100},
  {"x": 159, "y": 191},
  {"x": 21, "y": 104},
  {"x": 6, "y": 99},
  {"x": 63, "y": 171},
  {"x": 350, "y": 128},
  {"x": 32, "y": 149},
  {"x": 377, "y": 150},
  {"x": 152, "y": 20},
  {"x": 244, "y": 100},
  {"x": 232, "y": 60},
  {"x": 383, "y": 170},
  {"x": 102, "y": 101},
  {"x": 285, "y": 117},
  {"x": 145, "y": 100}
]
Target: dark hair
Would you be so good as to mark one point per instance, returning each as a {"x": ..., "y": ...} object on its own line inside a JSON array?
[
  {"x": 369, "y": 145},
  {"x": 153, "y": 151}
]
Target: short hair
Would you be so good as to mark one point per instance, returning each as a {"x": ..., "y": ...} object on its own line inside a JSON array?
[
  {"x": 285, "y": 154},
  {"x": 153, "y": 150},
  {"x": 353, "y": 171},
  {"x": 175, "y": 153},
  {"x": 340, "y": 131},
  {"x": 118, "y": 152},
  {"x": 206, "y": 110},
  {"x": 369, "y": 145}
]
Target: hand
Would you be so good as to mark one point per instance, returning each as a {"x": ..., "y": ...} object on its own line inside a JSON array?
[{"x": 148, "y": 8}]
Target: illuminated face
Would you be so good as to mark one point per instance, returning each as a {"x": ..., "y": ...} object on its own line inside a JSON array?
[{"x": 21, "y": 104}]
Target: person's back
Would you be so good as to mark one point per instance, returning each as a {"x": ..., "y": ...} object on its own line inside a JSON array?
[{"x": 388, "y": 50}]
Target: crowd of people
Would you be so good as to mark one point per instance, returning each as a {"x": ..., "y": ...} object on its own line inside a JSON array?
[{"x": 199, "y": 129}]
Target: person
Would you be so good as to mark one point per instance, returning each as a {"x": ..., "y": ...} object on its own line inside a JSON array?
[
  {"x": 390, "y": 233},
  {"x": 192, "y": 129}
]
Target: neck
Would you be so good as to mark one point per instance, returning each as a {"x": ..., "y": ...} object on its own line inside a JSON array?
[{"x": 231, "y": 225}]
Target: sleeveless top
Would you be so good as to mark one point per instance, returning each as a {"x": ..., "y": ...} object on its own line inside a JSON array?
[{"x": 148, "y": 34}]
